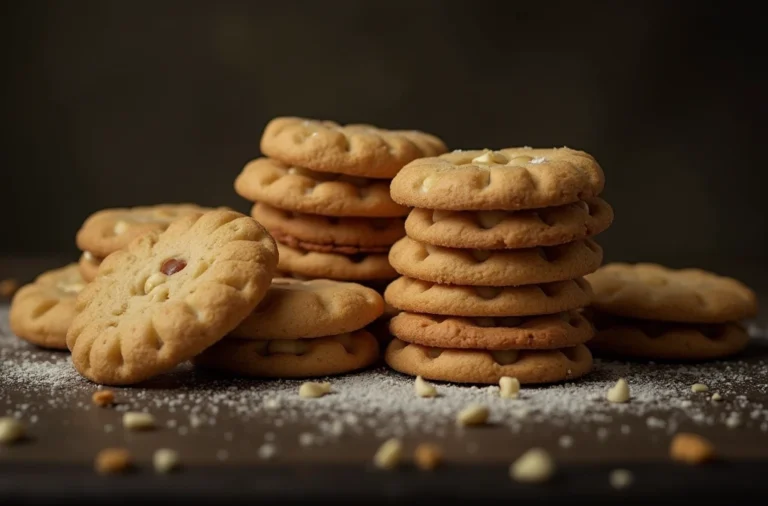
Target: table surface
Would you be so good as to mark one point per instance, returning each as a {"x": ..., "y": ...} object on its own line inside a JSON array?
[{"x": 253, "y": 439}]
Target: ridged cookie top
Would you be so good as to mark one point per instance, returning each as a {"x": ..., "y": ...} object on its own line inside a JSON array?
[
  {"x": 294, "y": 309},
  {"x": 170, "y": 295},
  {"x": 508, "y": 179},
  {"x": 355, "y": 149}
]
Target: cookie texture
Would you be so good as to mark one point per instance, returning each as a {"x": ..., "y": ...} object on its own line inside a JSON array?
[
  {"x": 109, "y": 230},
  {"x": 479, "y": 267},
  {"x": 306, "y": 191},
  {"x": 313, "y": 264},
  {"x": 547, "y": 226},
  {"x": 481, "y": 366},
  {"x": 42, "y": 311},
  {"x": 328, "y": 233},
  {"x": 355, "y": 149},
  {"x": 168, "y": 296},
  {"x": 654, "y": 292},
  {"x": 302, "y": 358},
  {"x": 503, "y": 333},
  {"x": 89, "y": 266},
  {"x": 294, "y": 309},
  {"x": 509, "y": 179},
  {"x": 419, "y": 296}
]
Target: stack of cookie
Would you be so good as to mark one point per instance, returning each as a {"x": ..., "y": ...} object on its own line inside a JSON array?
[
  {"x": 302, "y": 329},
  {"x": 647, "y": 311},
  {"x": 492, "y": 265},
  {"x": 323, "y": 194}
]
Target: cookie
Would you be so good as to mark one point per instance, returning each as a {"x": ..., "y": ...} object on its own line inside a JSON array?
[
  {"x": 297, "y": 358},
  {"x": 294, "y": 309},
  {"x": 480, "y": 366},
  {"x": 548, "y": 226},
  {"x": 328, "y": 233},
  {"x": 420, "y": 296},
  {"x": 89, "y": 266},
  {"x": 509, "y": 180},
  {"x": 356, "y": 149},
  {"x": 168, "y": 296},
  {"x": 645, "y": 339},
  {"x": 480, "y": 267},
  {"x": 42, "y": 311},
  {"x": 306, "y": 191},
  {"x": 312, "y": 264},
  {"x": 654, "y": 292},
  {"x": 504, "y": 333},
  {"x": 109, "y": 230}
]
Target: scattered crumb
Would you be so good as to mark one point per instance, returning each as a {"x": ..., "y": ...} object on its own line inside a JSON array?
[
  {"x": 534, "y": 466},
  {"x": 11, "y": 430},
  {"x": 306, "y": 439},
  {"x": 313, "y": 389},
  {"x": 389, "y": 454},
  {"x": 103, "y": 398},
  {"x": 717, "y": 397},
  {"x": 565, "y": 441},
  {"x": 137, "y": 420},
  {"x": 691, "y": 449},
  {"x": 619, "y": 393},
  {"x": 509, "y": 388},
  {"x": 267, "y": 451},
  {"x": 423, "y": 388},
  {"x": 113, "y": 461},
  {"x": 620, "y": 478},
  {"x": 474, "y": 414},
  {"x": 427, "y": 456},
  {"x": 165, "y": 460},
  {"x": 699, "y": 387}
]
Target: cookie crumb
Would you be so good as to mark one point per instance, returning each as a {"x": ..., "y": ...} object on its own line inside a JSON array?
[
  {"x": 306, "y": 439},
  {"x": 699, "y": 387},
  {"x": 389, "y": 454},
  {"x": 267, "y": 451},
  {"x": 423, "y": 388},
  {"x": 113, "y": 461},
  {"x": 11, "y": 430},
  {"x": 565, "y": 441},
  {"x": 716, "y": 397},
  {"x": 103, "y": 398},
  {"x": 620, "y": 478},
  {"x": 137, "y": 420},
  {"x": 619, "y": 393},
  {"x": 165, "y": 460},
  {"x": 534, "y": 466},
  {"x": 8, "y": 287},
  {"x": 691, "y": 449},
  {"x": 509, "y": 388},
  {"x": 313, "y": 389},
  {"x": 733, "y": 420},
  {"x": 474, "y": 414},
  {"x": 427, "y": 456}
]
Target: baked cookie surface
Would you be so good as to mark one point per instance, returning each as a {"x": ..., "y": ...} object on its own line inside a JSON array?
[{"x": 314, "y": 264}]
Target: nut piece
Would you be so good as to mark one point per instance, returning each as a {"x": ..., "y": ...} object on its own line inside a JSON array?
[
  {"x": 103, "y": 398},
  {"x": 313, "y": 389},
  {"x": 619, "y": 393},
  {"x": 8, "y": 287},
  {"x": 165, "y": 460},
  {"x": 427, "y": 456},
  {"x": 699, "y": 387},
  {"x": 389, "y": 454},
  {"x": 509, "y": 388},
  {"x": 113, "y": 460},
  {"x": 691, "y": 449},
  {"x": 474, "y": 414},
  {"x": 135, "y": 420},
  {"x": 534, "y": 466},
  {"x": 620, "y": 478},
  {"x": 11, "y": 430},
  {"x": 423, "y": 388}
]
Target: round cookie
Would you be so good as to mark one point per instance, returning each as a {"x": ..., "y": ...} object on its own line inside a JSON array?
[
  {"x": 306, "y": 191},
  {"x": 481, "y": 366},
  {"x": 89, "y": 266},
  {"x": 415, "y": 295},
  {"x": 654, "y": 292},
  {"x": 502, "y": 333},
  {"x": 509, "y": 179},
  {"x": 302, "y": 358},
  {"x": 327, "y": 233},
  {"x": 312, "y": 264},
  {"x": 294, "y": 309},
  {"x": 547, "y": 226},
  {"x": 109, "y": 230},
  {"x": 355, "y": 149},
  {"x": 168, "y": 296},
  {"x": 479, "y": 267},
  {"x": 42, "y": 311}
]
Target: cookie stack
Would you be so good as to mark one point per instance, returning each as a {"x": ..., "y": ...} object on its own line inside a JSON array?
[
  {"x": 322, "y": 191},
  {"x": 492, "y": 265},
  {"x": 648, "y": 311}
]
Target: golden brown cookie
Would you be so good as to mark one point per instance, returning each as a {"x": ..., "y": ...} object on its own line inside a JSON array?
[
  {"x": 653, "y": 340},
  {"x": 481, "y": 366},
  {"x": 168, "y": 296},
  {"x": 509, "y": 179},
  {"x": 295, "y": 358},
  {"x": 502, "y": 333},
  {"x": 89, "y": 266},
  {"x": 109, "y": 230},
  {"x": 546, "y": 226},
  {"x": 357, "y": 150},
  {"x": 42, "y": 311},
  {"x": 306, "y": 191},
  {"x": 312, "y": 264},
  {"x": 328, "y": 233},
  {"x": 654, "y": 292},
  {"x": 480, "y": 267},
  {"x": 294, "y": 309}
]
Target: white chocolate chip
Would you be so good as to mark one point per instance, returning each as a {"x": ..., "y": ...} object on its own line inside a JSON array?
[
  {"x": 619, "y": 392},
  {"x": 313, "y": 389},
  {"x": 481, "y": 255},
  {"x": 136, "y": 420},
  {"x": 490, "y": 157},
  {"x": 120, "y": 227},
  {"x": 538, "y": 160},
  {"x": 428, "y": 183},
  {"x": 620, "y": 478},
  {"x": 474, "y": 414},
  {"x": 489, "y": 219},
  {"x": 88, "y": 256},
  {"x": 165, "y": 460},
  {"x": 717, "y": 397},
  {"x": 71, "y": 287},
  {"x": 389, "y": 454},
  {"x": 11, "y": 430},
  {"x": 423, "y": 388},
  {"x": 699, "y": 387},
  {"x": 509, "y": 388},
  {"x": 534, "y": 466},
  {"x": 155, "y": 280}
]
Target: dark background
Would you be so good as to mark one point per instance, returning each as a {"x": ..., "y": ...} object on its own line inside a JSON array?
[{"x": 110, "y": 103}]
